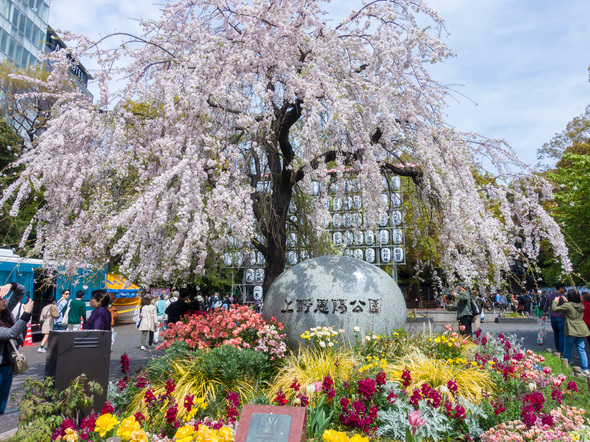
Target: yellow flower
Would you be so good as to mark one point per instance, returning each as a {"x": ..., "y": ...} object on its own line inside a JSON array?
[
  {"x": 139, "y": 436},
  {"x": 105, "y": 423},
  {"x": 205, "y": 434},
  {"x": 359, "y": 438},
  {"x": 225, "y": 434},
  {"x": 334, "y": 436},
  {"x": 127, "y": 428},
  {"x": 185, "y": 434},
  {"x": 71, "y": 435}
]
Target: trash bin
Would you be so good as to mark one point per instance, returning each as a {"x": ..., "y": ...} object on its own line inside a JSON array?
[{"x": 72, "y": 353}]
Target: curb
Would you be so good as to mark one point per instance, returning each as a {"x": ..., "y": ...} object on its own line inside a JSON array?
[{"x": 7, "y": 435}]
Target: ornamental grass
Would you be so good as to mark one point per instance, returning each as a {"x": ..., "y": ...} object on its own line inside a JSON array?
[
  {"x": 472, "y": 382},
  {"x": 310, "y": 365}
]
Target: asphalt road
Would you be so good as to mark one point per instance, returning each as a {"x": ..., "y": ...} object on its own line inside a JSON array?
[{"x": 128, "y": 341}]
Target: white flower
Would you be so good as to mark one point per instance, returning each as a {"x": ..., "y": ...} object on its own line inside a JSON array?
[
  {"x": 356, "y": 329},
  {"x": 330, "y": 344},
  {"x": 322, "y": 344},
  {"x": 367, "y": 338}
]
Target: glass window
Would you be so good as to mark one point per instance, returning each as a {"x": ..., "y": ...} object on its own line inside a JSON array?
[
  {"x": 18, "y": 55},
  {"x": 5, "y": 8},
  {"x": 29, "y": 30},
  {"x": 15, "y": 16},
  {"x": 43, "y": 11},
  {"x": 4, "y": 42},
  {"x": 36, "y": 34},
  {"x": 26, "y": 58},
  {"x": 22, "y": 23},
  {"x": 11, "y": 48}
]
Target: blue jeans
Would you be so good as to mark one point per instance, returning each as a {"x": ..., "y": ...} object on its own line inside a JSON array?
[
  {"x": 580, "y": 346},
  {"x": 558, "y": 326},
  {"x": 6, "y": 373}
]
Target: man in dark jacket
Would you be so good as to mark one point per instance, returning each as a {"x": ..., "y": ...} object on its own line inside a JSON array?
[
  {"x": 557, "y": 319},
  {"x": 178, "y": 309},
  {"x": 464, "y": 314}
]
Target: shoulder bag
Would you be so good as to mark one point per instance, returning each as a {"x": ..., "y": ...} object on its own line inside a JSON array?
[
  {"x": 64, "y": 320},
  {"x": 19, "y": 361}
]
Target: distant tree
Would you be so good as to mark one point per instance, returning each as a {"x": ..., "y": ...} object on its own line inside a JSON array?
[
  {"x": 23, "y": 104},
  {"x": 574, "y": 139},
  {"x": 11, "y": 145},
  {"x": 230, "y": 107}
]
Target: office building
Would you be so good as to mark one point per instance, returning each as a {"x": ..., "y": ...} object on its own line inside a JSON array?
[{"x": 23, "y": 30}]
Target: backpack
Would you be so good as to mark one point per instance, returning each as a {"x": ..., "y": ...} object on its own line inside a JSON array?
[{"x": 475, "y": 308}]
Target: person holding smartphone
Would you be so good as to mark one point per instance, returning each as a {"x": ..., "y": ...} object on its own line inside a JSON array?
[{"x": 10, "y": 328}]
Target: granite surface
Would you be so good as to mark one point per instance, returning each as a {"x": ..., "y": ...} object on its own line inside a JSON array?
[{"x": 337, "y": 291}]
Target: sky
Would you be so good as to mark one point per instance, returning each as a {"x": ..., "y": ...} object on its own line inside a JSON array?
[{"x": 519, "y": 71}]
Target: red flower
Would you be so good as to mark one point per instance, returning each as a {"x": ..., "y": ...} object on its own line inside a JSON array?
[
  {"x": 189, "y": 402},
  {"x": 124, "y": 363},
  {"x": 141, "y": 382},
  {"x": 106, "y": 408},
  {"x": 139, "y": 417},
  {"x": 381, "y": 378},
  {"x": 366, "y": 388},
  {"x": 149, "y": 397},
  {"x": 170, "y": 386},
  {"x": 406, "y": 378},
  {"x": 281, "y": 399},
  {"x": 171, "y": 413},
  {"x": 295, "y": 385}
]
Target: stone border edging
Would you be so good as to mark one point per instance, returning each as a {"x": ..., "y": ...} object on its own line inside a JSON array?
[{"x": 532, "y": 320}]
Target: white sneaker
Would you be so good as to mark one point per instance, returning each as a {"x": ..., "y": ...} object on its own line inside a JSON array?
[
  {"x": 586, "y": 372},
  {"x": 142, "y": 347},
  {"x": 42, "y": 350}
]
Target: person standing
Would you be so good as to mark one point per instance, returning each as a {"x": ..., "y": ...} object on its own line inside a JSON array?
[
  {"x": 77, "y": 312},
  {"x": 161, "y": 309},
  {"x": 178, "y": 309},
  {"x": 149, "y": 321},
  {"x": 10, "y": 329},
  {"x": 557, "y": 319},
  {"x": 464, "y": 314},
  {"x": 61, "y": 308},
  {"x": 48, "y": 315},
  {"x": 100, "y": 318},
  {"x": 576, "y": 330}
]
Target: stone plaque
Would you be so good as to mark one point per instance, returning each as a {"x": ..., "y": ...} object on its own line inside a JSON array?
[
  {"x": 267, "y": 423},
  {"x": 337, "y": 291}
]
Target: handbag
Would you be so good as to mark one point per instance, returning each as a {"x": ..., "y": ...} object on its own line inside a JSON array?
[
  {"x": 64, "y": 320},
  {"x": 19, "y": 361},
  {"x": 541, "y": 333},
  {"x": 137, "y": 317}
]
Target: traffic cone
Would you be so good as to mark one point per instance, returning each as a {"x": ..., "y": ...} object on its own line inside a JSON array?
[{"x": 29, "y": 338}]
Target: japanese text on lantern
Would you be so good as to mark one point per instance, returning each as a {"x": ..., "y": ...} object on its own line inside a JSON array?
[{"x": 334, "y": 306}]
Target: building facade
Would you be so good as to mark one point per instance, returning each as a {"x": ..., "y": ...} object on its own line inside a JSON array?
[{"x": 23, "y": 30}]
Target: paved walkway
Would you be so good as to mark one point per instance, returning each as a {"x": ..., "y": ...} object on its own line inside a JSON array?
[{"x": 127, "y": 340}]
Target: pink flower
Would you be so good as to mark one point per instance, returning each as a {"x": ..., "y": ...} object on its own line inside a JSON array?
[
  {"x": 462, "y": 327},
  {"x": 547, "y": 370},
  {"x": 415, "y": 420},
  {"x": 448, "y": 327}
]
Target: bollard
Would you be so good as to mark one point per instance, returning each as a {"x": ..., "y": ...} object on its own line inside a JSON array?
[{"x": 564, "y": 362}]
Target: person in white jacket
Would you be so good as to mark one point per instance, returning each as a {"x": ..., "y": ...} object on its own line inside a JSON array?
[{"x": 149, "y": 321}]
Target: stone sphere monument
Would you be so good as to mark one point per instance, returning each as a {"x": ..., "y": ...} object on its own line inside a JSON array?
[{"x": 337, "y": 291}]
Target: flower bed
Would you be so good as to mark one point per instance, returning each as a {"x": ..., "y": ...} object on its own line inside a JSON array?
[{"x": 384, "y": 388}]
